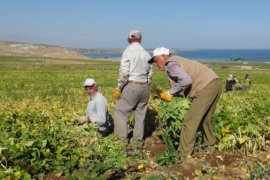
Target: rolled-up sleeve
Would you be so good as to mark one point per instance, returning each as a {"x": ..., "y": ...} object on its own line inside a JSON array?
[{"x": 179, "y": 76}]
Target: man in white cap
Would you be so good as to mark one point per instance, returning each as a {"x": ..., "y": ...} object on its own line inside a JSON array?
[
  {"x": 134, "y": 77},
  {"x": 97, "y": 108},
  {"x": 193, "y": 79}
]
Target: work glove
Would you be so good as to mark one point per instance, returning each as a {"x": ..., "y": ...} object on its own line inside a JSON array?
[
  {"x": 82, "y": 119},
  {"x": 117, "y": 93},
  {"x": 165, "y": 95}
]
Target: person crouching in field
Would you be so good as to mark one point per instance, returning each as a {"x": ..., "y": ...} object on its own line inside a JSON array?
[
  {"x": 97, "y": 108},
  {"x": 248, "y": 81},
  {"x": 197, "y": 81},
  {"x": 230, "y": 82}
]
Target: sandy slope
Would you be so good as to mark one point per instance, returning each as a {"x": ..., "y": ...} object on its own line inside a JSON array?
[{"x": 33, "y": 50}]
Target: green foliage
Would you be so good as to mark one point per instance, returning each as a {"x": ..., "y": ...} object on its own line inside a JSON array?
[
  {"x": 171, "y": 116},
  {"x": 39, "y": 100},
  {"x": 171, "y": 155},
  {"x": 260, "y": 171},
  {"x": 245, "y": 117},
  {"x": 34, "y": 141},
  {"x": 106, "y": 155}
]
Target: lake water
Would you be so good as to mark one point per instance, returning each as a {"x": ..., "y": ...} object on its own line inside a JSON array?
[{"x": 205, "y": 54}]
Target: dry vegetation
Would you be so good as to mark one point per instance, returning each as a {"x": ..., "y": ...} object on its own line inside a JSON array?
[{"x": 31, "y": 50}]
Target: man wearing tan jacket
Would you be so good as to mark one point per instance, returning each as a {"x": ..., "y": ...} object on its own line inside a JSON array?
[{"x": 193, "y": 79}]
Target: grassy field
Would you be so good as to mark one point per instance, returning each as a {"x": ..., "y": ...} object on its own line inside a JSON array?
[{"x": 41, "y": 97}]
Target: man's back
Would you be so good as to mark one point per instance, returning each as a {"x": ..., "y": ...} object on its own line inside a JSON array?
[
  {"x": 134, "y": 76},
  {"x": 134, "y": 63},
  {"x": 201, "y": 75}
]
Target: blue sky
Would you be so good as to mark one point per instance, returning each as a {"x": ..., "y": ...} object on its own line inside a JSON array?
[{"x": 214, "y": 24}]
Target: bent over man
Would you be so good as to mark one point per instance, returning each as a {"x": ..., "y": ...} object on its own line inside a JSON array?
[{"x": 193, "y": 79}]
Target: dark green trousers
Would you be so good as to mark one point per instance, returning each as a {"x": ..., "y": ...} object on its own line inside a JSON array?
[{"x": 200, "y": 114}]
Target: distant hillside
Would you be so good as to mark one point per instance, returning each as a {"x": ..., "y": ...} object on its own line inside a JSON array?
[{"x": 35, "y": 50}]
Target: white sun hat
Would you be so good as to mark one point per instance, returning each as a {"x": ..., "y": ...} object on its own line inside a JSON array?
[
  {"x": 135, "y": 34},
  {"x": 158, "y": 52},
  {"x": 89, "y": 82}
]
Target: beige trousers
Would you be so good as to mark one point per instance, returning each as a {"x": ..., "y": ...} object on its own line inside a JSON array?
[{"x": 134, "y": 97}]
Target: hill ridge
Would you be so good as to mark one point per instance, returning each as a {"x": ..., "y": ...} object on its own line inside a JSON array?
[{"x": 37, "y": 50}]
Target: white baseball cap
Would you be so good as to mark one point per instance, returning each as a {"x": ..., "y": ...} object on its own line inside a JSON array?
[
  {"x": 135, "y": 34},
  {"x": 89, "y": 82},
  {"x": 158, "y": 52}
]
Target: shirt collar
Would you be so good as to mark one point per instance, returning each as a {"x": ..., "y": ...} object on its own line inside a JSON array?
[
  {"x": 135, "y": 44},
  {"x": 93, "y": 96}
]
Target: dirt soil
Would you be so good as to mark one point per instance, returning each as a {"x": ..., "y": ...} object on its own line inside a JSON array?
[
  {"x": 204, "y": 164},
  {"x": 213, "y": 164}
]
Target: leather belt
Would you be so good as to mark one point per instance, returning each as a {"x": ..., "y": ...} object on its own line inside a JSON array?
[{"x": 137, "y": 82}]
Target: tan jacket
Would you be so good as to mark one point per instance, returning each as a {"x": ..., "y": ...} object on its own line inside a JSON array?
[{"x": 200, "y": 74}]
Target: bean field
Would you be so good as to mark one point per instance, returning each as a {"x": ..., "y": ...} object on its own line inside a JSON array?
[{"x": 40, "y": 139}]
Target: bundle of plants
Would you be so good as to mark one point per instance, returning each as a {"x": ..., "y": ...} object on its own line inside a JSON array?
[{"x": 170, "y": 118}]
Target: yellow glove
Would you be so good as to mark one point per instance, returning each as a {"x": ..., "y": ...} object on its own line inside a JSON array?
[
  {"x": 82, "y": 120},
  {"x": 164, "y": 95},
  {"x": 117, "y": 93}
]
